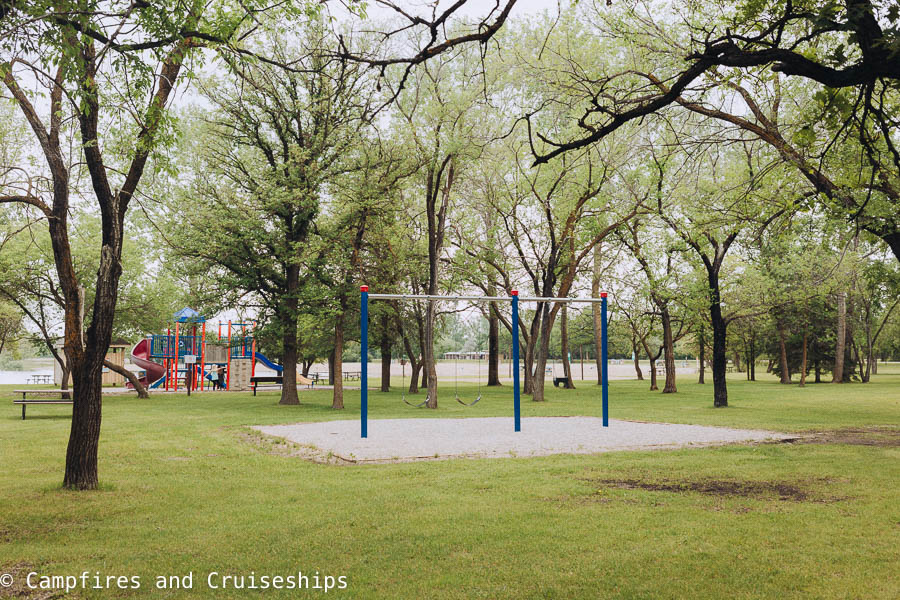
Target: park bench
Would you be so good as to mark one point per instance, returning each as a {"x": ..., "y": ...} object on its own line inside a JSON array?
[
  {"x": 25, "y": 401},
  {"x": 278, "y": 380},
  {"x": 270, "y": 379},
  {"x": 352, "y": 375},
  {"x": 557, "y": 381}
]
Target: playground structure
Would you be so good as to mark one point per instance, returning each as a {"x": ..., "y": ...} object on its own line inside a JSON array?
[
  {"x": 184, "y": 358},
  {"x": 514, "y": 299}
]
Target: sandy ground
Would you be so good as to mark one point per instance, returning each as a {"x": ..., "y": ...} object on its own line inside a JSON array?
[{"x": 493, "y": 437}]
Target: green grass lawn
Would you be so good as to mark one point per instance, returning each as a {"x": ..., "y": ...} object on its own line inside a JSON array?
[{"x": 185, "y": 488}]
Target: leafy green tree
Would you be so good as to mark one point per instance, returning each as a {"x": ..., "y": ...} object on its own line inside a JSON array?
[
  {"x": 273, "y": 142},
  {"x": 844, "y": 56},
  {"x": 109, "y": 71},
  {"x": 360, "y": 199},
  {"x": 714, "y": 203},
  {"x": 436, "y": 116}
]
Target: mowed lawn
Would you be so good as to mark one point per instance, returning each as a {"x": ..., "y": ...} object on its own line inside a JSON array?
[{"x": 186, "y": 488}]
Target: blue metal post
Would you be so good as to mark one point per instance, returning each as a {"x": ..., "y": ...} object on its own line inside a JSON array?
[
  {"x": 364, "y": 359},
  {"x": 603, "y": 360},
  {"x": 515, "y": 358}
]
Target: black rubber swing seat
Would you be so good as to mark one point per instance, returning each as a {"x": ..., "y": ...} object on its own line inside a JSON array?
[
  {"x": 472, "y": 403},
  {"x": 423, "y": 403}
]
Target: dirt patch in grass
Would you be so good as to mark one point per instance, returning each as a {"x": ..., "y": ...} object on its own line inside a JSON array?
[
  {"x": 883, "y": 437},
  {"x": 781, "y": 491},
  {"x": 19, "y": 588},
  {"x": 721, "y": 488}
]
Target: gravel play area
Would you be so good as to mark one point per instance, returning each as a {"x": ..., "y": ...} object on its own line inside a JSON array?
[{"x": 419, "y": 439}]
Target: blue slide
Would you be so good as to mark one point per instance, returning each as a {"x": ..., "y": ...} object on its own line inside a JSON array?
[{"x": 274, "y": 366}]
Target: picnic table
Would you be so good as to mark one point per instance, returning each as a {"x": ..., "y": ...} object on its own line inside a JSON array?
[
  {"x": 270, "y": 379},
  {"x": 352, "y": 375},
  {"x": 25, "y": 401},
  {"x": 41, "y": 378}
]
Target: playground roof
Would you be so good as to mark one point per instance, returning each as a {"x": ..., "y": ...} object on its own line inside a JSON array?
[{"x": 189, "y": 314}]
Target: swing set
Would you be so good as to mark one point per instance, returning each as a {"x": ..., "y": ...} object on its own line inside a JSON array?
[
  {"x": 455, "y": 384},
  {"x": 514, "y": 300}
]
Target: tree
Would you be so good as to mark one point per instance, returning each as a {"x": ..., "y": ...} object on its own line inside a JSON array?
[
  {"x": 360, "y": 200},
  {"x": 439, "y": 125},
  {"x": 877, "y": 296},
  {"x": 276, "y": 138},
  {"x": 661, "y": 277},
  {"x": 717, "y": 204},
  {"x": 112, "y": 70},
  {"x": 848, "y": 57}
]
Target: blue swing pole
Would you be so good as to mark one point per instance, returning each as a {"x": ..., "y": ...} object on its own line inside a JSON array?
[
  {"x": 363, "y": 357},
  {"x": 603, "y": 360},
  {"x": 515, "y": 359}
]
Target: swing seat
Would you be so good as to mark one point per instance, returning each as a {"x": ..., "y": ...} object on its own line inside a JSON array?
[
  {"x": 472, "y": 403},
  {"x": 423, "y": 403}
]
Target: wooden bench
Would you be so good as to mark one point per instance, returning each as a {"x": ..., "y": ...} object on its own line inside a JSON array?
[
  {"x": 352, "y": 375},
  {"x": 25, "y": 401},
  {"x": 271, "y": 379}
]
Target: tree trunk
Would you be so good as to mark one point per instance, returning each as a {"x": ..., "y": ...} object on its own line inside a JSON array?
[
  {"x": 564, "y": 344},
  {"x": 782, "y": 353},
  {"x": 436, "y": 214},
  {"x": 598, "y": 317},
  {"x": 331, "y": 367},
  {"x": 652, "y": 358},
  {"x": 702, "y": 356},
  {"x": 428, "y": 356},
  {"x": 64, "y": 384},
  {"x": 84, "y": 437},
  {"x": 530, "y": 350},
  {"x": 385, "y": 354},
  {"x": 817, "y": 368},
  {"x": 337, "y": 396},
  {"x": 414, "y": 369},
  {"x": 803, "y": 359},
  {"x": 288, "y": 313},
  {"x": 737, "y": 362},
  {"x": 869, "y": 342},
  {"x": 493, "y": 346},
  {"x": 719, "y": 326},
  {"x": 838, "y": 373},
  {"x": 637, "y": 360},
  {"x": 414, "y": 364},
  {"x": 859, "y": 361},
  {"x": 747, "y": 359},
  {"x": 751, "y": 364},
  {"x": 669, "y": 348},
  {"x": 543, "y": 351},
  {"x": 131, "y": 377}
]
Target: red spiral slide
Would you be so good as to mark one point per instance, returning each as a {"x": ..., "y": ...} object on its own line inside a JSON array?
[{"x": 140, "y": 356}]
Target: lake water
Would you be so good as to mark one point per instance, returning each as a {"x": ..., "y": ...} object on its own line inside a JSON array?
[{"x": 32, "y": 366}]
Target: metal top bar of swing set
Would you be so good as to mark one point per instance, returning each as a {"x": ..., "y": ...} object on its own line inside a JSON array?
[
  {"x": 482, "y": 298},
  {"x": 512, "y": 298}
]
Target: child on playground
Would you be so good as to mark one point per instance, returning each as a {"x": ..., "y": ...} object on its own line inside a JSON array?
[{"x": 220, "y": 381}]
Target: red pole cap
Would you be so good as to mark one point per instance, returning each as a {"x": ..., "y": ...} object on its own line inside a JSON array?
[
  {"x": 514, "y": 292},
  {"x": 603, "y": 294},
  {"x": 364, "y": 288}
]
